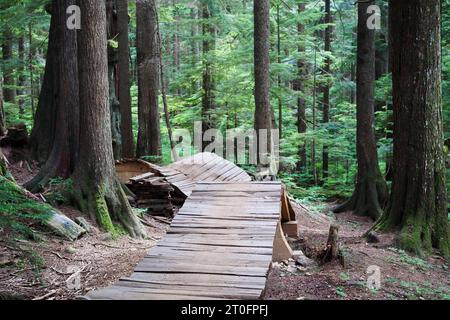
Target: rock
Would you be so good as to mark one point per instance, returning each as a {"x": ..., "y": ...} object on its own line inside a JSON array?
[
  {"x": 83, "y": 223},
  {"x": 106, "y": 237},
  {"x": 371, "y": 237},
  {"x": 70, "y": 250}
]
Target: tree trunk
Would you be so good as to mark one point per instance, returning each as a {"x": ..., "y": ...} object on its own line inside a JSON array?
[
  {"x": 263, "y": 110},
  {"x": 22, "y": 78},
  {"x": 149, "y": 137},
  {"x": 124, "y": 79},
  {"x": 326, "y": 89},
  {"x": 300, "y": 88},
  {"x": 2, "y": 112},
  {"x": 97, "y": 189},
  {"x": 370, "y": 195},
  {"x": 163, "y": 88},
  {"x": 280, "y": 101},
  {"x": 113, "y": 59},
  {"x": 65, "y": 144},
  {"x": 418, "y": 203},
  {"x": 9, "y": 93},
  {"x": 208, "y": 33},
  {"x": 42, "y": 134}
]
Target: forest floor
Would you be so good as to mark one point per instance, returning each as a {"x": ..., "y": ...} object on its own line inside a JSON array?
[
  {"x": 402, "y": 276},
  {"x": 50, "y": 268}
]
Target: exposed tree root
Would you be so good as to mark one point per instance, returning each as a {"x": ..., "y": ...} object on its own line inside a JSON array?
[
  {"x": 368, "y": 199},
  {"x": 107, "y": 204}
]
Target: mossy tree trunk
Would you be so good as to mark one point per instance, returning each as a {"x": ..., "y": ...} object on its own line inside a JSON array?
[
  {"x": 418, "y": 204},
  {"x": 96, "y": 186},
  {"x": 371, "y": 192},
  {"x": 64, "y": 104}
]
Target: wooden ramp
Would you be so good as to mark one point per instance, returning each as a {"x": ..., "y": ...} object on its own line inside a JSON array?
[
  {"x": 219, "y": 246},
  {"x": 186, "y": 173}
]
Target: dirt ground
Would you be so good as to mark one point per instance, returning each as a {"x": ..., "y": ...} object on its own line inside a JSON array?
[
  {"x": 401, "y": 276},
  {"x": 67, "y": 270},
  {"x": 54, "y": 268}
]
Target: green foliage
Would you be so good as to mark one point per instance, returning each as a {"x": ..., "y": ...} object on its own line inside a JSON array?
[{"x": 19, "y": 213}]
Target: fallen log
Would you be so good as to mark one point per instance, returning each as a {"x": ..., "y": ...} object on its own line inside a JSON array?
[{"x": 11, "y": 195}]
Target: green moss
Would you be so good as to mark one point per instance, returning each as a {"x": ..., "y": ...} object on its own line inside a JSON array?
[
  {"x": 18, "y": 210},
  {"x": 102, "y": 214}
]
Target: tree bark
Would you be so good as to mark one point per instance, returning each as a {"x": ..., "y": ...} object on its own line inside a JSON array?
[
  {"x": 22, "y": 78},
  {"x": 299, "y": 87},
  {"x": 97, "y": 189},
  {"x": 326, "y": 88},
  {"x": 418, "y": 203},
  {"x": 65, "y": 143},
  {"x": 124, "y": 79},
  {"x": 9, "y": 93},
  {"x": 113, "y": 77},
  {"x": 149, "y": 137},
  {"x": 2, "y": 112},
  {"x": 263, "y": 110},
  {"x": 370, "y": 195},
  {"x": 42, "y": 134},
  {"x": 208, "y": 86}
]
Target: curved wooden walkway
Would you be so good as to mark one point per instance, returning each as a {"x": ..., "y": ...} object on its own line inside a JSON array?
[{"x": 220, "y": 246}]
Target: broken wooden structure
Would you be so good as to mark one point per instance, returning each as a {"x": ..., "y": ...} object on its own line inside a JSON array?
[{"x": 222, "y": 241}]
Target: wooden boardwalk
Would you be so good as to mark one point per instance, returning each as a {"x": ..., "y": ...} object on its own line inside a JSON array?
[{"x": 219, "y": 246}]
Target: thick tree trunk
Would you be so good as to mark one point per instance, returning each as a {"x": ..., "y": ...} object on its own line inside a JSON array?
[
  {"x": 65, "y": 144},
  {"x": 208, "y": 33},
  {"x": 263, "y": 110},
  {"x": 42, "y": 134},
  {"x": 370, "y": 195},
  {"x": 9, "y": 93},
  {"x": 124, "y": 79},
  {"x": 96, "y": 186},
  {"x": 326, "y": 89},
  {"x": 300, "y": 88},
  {"x": 149, "y": 137},
  {"x": 418, "y": 204}
]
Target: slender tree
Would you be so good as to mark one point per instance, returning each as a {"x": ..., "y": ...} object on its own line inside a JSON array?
[
  {"x": 22, "y": 77},
  {"x": 64, "y": 144},
  {"x": 9, "y": 93},
  {"x": 263, "y": 110},
  {"x": 418, "y": 203},
  {"x": 113, "y": 77},
  {"x": 149, "y": 138},
  {"x": 208, "y": 86},
  {"x": 300, "y": 88},
  {"x": 326, "y": 88},
  {"x": 2, "y": 112},
  {"x": 97, "y": 189},
  {"x": 370, "y": 195},
  {"x": 124, "y": 79}
]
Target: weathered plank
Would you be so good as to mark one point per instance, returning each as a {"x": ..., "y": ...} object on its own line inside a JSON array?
[{"x": 219, "y": 246}]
